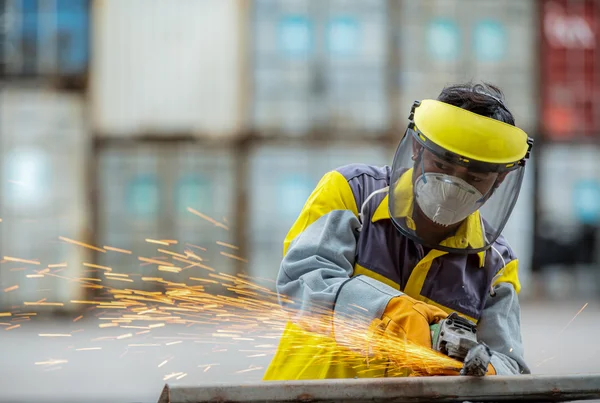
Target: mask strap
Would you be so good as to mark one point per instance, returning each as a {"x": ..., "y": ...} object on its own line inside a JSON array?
[
  {"x": 361, "y": 215},
  {"x": 501, "y": 271},
  {"x": 420, "y": 156}
]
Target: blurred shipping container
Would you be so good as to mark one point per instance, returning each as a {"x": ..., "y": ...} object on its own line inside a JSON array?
[
  {"x": 44, "y": 38},
  {"x": 282, "y": 178},
  {"x": 320, "y": 64},
  {"x": 569, "y": 205},
  {"x": 168, "y": 67},
  {"x": 570, "y": 68},
  {"x": 442, "y": 42},
  {"x": 44, "y": 144},
  {"x": 146, "y": 192}
]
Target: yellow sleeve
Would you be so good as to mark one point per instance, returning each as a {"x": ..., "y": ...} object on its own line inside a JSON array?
[
  {"x": 331, "y": 193},
  {"x": 510, "y": 274}
]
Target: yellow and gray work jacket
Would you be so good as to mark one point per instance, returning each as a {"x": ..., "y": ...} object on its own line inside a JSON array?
[{"x": 333, "y": 261}]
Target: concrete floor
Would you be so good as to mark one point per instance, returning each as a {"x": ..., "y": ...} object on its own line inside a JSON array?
[{"x": 119, "y": 372}]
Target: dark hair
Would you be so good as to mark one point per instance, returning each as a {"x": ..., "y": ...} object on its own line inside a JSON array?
[{"x": 483, "y": 99}]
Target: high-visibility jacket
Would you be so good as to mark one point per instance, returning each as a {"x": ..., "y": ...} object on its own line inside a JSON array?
[{"x": 332, "y": 260}]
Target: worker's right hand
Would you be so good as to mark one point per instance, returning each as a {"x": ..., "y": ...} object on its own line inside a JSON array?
[{"x": 409, "y": 319}]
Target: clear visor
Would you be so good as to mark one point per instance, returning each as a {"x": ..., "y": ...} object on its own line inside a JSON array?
[{"x": 447, "y": 206}]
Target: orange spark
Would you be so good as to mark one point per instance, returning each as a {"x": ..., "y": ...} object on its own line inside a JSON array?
[
  {"x": 248, "y": 370},
  {"x": 170, "y": 269},
  {"x": 168, "y": 252},
  {"x": 85, "y": 245},
  {"x": 51, "y": 362},
  {"x": 207, "y": 218},
  {"x": 12, "y": 327},
  {"x": 52, "y": 266},
  {"x": 233, "y": 257},
  {"x": 196, "y": 264},
  {"x": 97, "y": 266},
  {"x": 173, "y": 342},
  {"x": 16, "y": 259},
  {"x": 110, "y": 274},
  {"x": 172, "y": 375},
  {"x": 34, "y": 275},
  {"x": 43, "y": 304},
  {"x": 157, "y": 242},
  {"x": 159, "y": 262},
  {"x": 53, "y": 335},
  {"x": 576, "y": 315},
  {"x": 117, "y": 250},
  {"x": 12, "y": 288},
  {"x": 227, "y": 245},
  {"x": 196, "y": 246}
]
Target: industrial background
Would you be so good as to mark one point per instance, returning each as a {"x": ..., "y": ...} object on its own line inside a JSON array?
[{"x": 210, "y": 122}]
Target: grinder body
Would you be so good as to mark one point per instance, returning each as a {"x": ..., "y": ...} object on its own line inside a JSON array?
[{"x": 456, "y": 337}]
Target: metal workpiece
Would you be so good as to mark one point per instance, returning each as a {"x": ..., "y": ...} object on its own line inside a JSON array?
[{"x": 525, "y": 388}]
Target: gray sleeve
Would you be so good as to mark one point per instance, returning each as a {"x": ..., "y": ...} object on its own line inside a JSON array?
[
  {"x": 500, "y": 328},
  {"x": 315, "y": 274}
]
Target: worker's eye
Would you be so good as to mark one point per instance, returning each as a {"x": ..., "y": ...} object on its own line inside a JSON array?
[
  {"x": 440, "y": 165},
  {"x": 474, "y": 179}
]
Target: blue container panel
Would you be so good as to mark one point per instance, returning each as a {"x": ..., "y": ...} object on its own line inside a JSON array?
[
  {"x": 131, "y": 205},
  {"x": 285, "y": 41},
  {"x": 204, "y": 181},
  {"x": 47, "y": 37}
]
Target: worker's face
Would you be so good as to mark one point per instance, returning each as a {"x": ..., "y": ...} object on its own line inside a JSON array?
[{"x": 482, "y": 181}]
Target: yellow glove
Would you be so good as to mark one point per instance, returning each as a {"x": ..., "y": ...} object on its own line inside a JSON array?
[{"x": 409, "y": 319}]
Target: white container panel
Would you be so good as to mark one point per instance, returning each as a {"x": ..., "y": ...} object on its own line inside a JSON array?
[
  {"x": 281, "y": 179},
  {"x": 44, "y": 146},
  {"x": 493, "y": 43},
  {"x": 167, "y": 67}
]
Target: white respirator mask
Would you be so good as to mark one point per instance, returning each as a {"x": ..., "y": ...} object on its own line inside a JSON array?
[{"x": 446, "y": 199}]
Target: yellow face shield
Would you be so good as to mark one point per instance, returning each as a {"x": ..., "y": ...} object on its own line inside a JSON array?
[{"x": 456, "y": 173}]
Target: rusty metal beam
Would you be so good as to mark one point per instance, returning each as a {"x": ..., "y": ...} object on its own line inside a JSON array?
[{"x": 526, "y": 388}]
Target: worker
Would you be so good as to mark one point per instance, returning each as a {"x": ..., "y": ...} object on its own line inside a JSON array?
[{"x": 404, "y": 246}]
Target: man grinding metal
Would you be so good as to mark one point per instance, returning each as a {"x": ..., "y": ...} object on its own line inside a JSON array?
[{"x": 412, "y": 245}]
